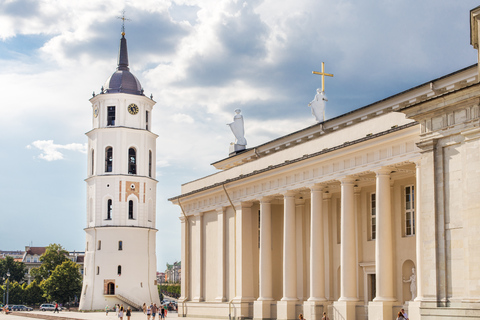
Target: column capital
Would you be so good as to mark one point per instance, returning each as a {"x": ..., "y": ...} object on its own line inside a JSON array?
[
  {"x": 220, "y": 210},
  {"x": 428, "y": 145},
  {"x": 316, "y": 187},
  {"x": 240, "y": 205},
  {"x": 383, "y": 171},
  {"x": 198, "y": 214},
  {"x": 327, "y": 196},
  {"x": 357, "y": 190},
  {"x": 347, "y": 180},
  {"x": 266, "y": 199},
  {"x": 183, "y": 219},
  {"x": 289, "y": 194},
  {"x": 300, "y": 202}
]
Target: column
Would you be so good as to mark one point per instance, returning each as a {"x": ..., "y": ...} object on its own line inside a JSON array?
[
  {"x": 381, "y": 307},
  {"x": 286, "y": 307},
  {"x": 221, "y": 254},
  {"x": 414, "y": 306},
  {"x": 197, "y": 253},
  {"x": 244, "y": 260},
  {"x": 317, "y": 255},
  {"x": 262, "y": 305},
  {"x": 185, "y": 263},
  {"x": 299, "y": 245},
  {"x": 348, "y": 268}
]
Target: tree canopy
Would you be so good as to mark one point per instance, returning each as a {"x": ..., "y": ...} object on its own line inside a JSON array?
[
  {"x": 64, "y": 283},
  {"x": 53, "y": 256},
  {"x": 17, "y": 270}
]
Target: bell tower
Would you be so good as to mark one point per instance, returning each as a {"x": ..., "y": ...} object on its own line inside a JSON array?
[{"x": 120, "y": 258}]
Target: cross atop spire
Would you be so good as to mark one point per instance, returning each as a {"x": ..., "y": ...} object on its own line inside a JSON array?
[
  {"x": 323, "y": 74},
  {"x": 123, "y": 21}
]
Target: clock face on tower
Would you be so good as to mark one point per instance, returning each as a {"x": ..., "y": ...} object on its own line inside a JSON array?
[
  {"x": 95, "y": 111},
  {"x": 132, "y": 108}
]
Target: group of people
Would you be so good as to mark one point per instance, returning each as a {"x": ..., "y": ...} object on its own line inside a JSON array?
[
  {"x": 402, "y": 315},
  {"x": 152, "y": 310},
  {"x": 325, "y": 317},
  {"x": 120, "y": 311}
]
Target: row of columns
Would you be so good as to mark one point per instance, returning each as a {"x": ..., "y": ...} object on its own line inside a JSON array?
[{"x": 345, "y": 306}]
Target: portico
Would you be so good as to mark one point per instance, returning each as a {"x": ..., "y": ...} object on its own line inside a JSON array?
[{"x": 346, "y": 216}]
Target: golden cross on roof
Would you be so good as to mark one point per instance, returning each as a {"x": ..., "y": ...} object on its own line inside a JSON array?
[
  {"x": 123, "y": 21},
  {"x": 323, "y": 74}
]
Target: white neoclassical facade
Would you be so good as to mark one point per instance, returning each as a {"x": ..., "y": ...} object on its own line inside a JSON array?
[
  {"x": 120, "y": 258},
  {"x": 358, "y": 216}
]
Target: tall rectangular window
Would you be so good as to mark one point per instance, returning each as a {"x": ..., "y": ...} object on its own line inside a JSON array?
[
  {"x": 410, "y": 210},
  {"x": 99, "y": 245},
  {"x": 373, "y": 217},
  {"x": 120, "y": 245},
  {"x": 146, "y": 120},
  {"x": 108, "y": 159},
  {"x": 110, "y": 116},
  {"x": 109, "y": 209}
]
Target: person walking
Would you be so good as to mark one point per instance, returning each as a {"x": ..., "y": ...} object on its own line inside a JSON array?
[
  {"x": 149, "y": 311},
  {"x": 144, "y": 308},
  {"x": 162, "y": 312},
  {"x": 129, "y": 313},
  {"x": 165, "y": 307},
  {"x": 154, "y": 311},
  {"x": 106, "y": 310},
  {"x": 56, "y": 308},
  {"x": 120, "y": 313},
  {"x": 325, "y": 316}
]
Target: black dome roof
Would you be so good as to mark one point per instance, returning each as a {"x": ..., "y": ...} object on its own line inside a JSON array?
[{"x": 122, "y": 80}]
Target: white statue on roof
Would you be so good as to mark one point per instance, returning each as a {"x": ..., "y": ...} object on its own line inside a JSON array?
[
  {"x": 318, "y": 105},
  {"x": 238, "y": 131}
]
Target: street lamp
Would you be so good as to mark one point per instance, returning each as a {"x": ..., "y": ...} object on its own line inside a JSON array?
[
  {"x": 3, "y": 291},
  {"x": 8, "y": 282}
]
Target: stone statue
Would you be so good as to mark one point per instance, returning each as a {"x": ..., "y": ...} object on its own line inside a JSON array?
[
  {"x": 413, "y": 284},
  {"x": 237, "y": 128},
  {"x": 318, "y": 105}
]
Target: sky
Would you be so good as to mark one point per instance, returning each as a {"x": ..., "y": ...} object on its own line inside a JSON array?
[{"x": 201, "y": 60}]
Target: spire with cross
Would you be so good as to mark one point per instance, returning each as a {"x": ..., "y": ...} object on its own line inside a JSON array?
[{"x": 123, "y": 21}]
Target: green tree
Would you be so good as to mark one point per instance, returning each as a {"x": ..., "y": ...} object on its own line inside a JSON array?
[
  {"x": 15, "y": 293},
  {"x": 64, "y": 283},
  {"x": 17, "y": 270},
  {"x": 33, "y": 294},
  {"x": 53, "y": 256}
]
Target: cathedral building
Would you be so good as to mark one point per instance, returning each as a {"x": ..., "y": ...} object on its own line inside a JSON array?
[
  {"x": 120, "y": 259},
  {"x": 358, "y": 216}
]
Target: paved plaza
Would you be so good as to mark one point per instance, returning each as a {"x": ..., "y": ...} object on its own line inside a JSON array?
[{"x": 63, "y": 315}]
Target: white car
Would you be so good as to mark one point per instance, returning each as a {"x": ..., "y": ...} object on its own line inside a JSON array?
[{"x": 47, "y": 307}]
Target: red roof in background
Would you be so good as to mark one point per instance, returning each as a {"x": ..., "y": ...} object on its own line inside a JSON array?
[{"x": 36, "y": 251}]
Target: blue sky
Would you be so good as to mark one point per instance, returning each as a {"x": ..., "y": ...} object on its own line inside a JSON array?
[{"x": 201, "y": 60}]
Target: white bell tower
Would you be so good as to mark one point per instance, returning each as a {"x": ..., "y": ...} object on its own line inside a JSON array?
[{"x": 120, "y": 259}]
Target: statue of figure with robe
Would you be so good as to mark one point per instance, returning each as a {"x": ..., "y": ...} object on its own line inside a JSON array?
[
  {"x": 238, "y": 130},
  {"x": 413, "y": 284},
  {"x": 318, "y": 105}
]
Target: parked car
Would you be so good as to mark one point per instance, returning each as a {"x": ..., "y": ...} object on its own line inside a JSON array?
[
  {"x": 21, "y": 308},
  {"x": 47, "y": 307}
]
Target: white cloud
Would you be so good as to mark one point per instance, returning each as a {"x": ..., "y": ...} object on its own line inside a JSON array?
[
  {"x": 50, "y": 151},
  {"x": 182, "y": 118}
]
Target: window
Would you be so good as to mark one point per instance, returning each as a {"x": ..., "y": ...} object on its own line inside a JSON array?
[
  {"x": 410, "y": 210},
  {"x": 132, "y": 161},
  {"x": 146, "y": 120},
  {"x": 99, "y": 245},
  {"x": 150, "y": 163},
  {"x": 130, "y": 209},
  {"x": 109, "y": 209},
  {"x": 111, "y": 116},
  {"x": 98, "y": 270},
  {"x": 120, "y": 245},
  {"x": 373, "y": 217},
  {"x": 119, "y": 270},
  {"x": 108, "y": 159},
  {"x": 93, "y": 161}
]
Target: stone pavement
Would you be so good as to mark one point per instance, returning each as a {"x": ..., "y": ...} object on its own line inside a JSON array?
[{"x": 68, "y": 315}]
